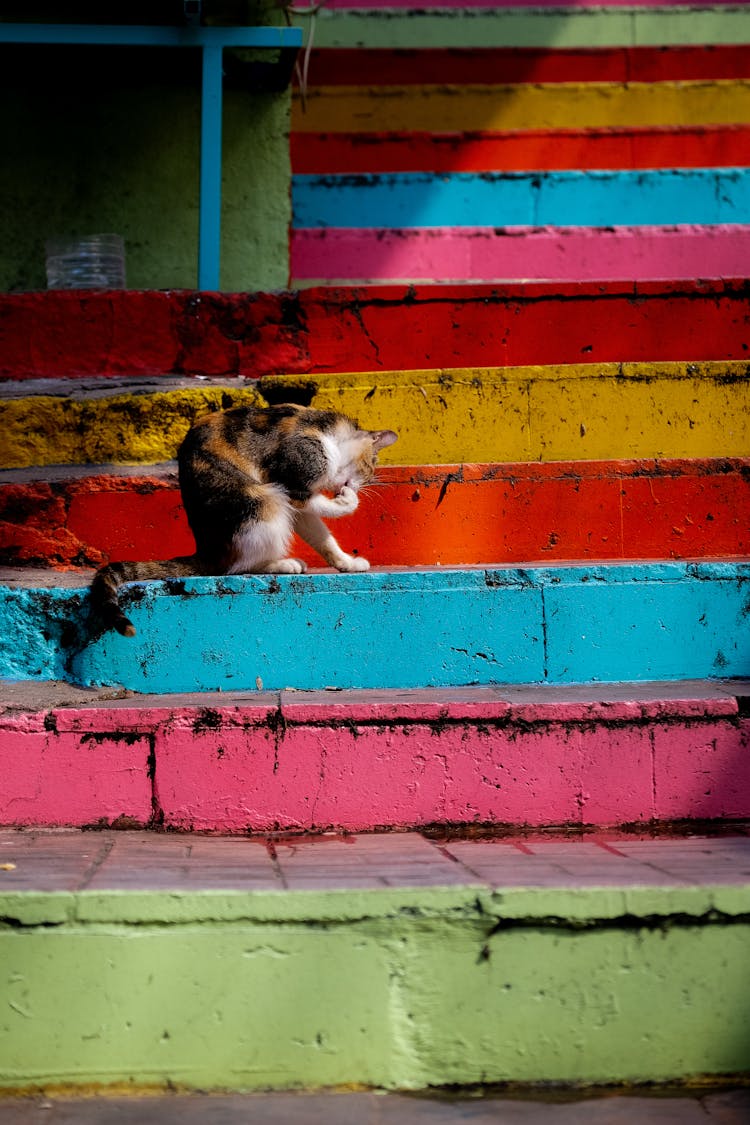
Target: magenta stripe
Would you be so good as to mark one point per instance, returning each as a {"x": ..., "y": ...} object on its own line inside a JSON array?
[{"x": 516, "y": 253}]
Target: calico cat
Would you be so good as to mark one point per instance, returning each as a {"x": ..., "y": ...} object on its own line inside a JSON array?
[{"x": 249, "y": 478}]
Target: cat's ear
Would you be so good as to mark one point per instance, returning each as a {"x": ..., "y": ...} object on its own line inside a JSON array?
[{"x": 381, "y": 438}]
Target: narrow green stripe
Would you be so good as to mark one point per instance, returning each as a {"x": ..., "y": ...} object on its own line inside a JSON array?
[{"x": 598, "y": 27}]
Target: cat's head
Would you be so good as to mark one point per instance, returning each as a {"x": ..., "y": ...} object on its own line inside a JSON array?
[
  {"x": 349, "y": 454},
  {"x": 358, "y": 455}
]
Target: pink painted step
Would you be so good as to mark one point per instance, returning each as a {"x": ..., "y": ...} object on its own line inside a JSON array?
[
  {"x": 600, "y": 755},
  {"x": 484, "y": 254}
]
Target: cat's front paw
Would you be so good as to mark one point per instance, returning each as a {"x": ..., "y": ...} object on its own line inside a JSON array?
[
  {"x": 352, "y": 563},
  {"x": 286, "y": 566},
  {"x": 346, "y": 500}
]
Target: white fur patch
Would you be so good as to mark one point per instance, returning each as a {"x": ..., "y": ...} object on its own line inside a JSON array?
[
  {"x": 266, "y": 541},
  {"x": 342, "y": 452},
  {"x": 332, "y": 450}
]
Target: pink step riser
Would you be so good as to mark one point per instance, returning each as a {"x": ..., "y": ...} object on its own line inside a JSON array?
[{"x": 298, "y": 766}]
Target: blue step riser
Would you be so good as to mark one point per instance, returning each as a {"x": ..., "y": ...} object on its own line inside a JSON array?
[
  {"x": 386, "y": 630},
  {"x": 569, "y": 199}
]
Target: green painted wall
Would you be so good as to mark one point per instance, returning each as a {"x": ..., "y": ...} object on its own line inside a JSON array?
[
  {"x": 399, "y": 988},
  {"x": 107, "y": 139}
]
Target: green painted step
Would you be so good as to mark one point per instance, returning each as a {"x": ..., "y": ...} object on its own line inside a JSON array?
[{"x": 386, "y": 961}]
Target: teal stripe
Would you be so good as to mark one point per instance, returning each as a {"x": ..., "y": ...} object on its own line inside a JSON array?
[
  {"x": 390, "y": 630},
  {"x": 593, "y": 27},
  {"x": 588, "y": 199}
]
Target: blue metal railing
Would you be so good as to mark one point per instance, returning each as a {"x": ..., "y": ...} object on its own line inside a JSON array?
[{"x": 211, "y": 41}]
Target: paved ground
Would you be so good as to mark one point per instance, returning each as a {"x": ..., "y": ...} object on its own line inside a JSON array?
[
  {"x": 726, "y": 1108},
  {"x": 70, "y": 860}
]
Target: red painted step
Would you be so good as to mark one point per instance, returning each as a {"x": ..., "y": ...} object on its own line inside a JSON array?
[
  {"x": 358, "y": 66},
  {"x": 50, "y": 334},
  {"x": 559, "y": 150},
  {"x": 428, "y": 515}
]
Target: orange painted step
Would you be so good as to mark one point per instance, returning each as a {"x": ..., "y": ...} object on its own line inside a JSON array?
[{"x": 417, "y": 516}]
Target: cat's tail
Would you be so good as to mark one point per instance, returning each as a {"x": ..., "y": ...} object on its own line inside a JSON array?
[{"x": 104, "y": 600}]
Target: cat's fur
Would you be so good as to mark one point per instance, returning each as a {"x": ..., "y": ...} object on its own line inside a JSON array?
[{"x": 249, "y": 479}]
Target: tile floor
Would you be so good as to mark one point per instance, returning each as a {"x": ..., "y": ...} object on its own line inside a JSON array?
[
  {"x": 70, "y": 860},
  {"x": 725, "y": 1108}
]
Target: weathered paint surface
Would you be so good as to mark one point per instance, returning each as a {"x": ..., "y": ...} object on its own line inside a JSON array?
[
  {"x": 698, "y": 196},
  {"x": 540, "y": 150},
  {"x": 440, "y": 139},
  {"x": 145, "y": 424},
  {"x": 384, "y": 629},
  {"x": 418, "y": 516},
  {"x": 592, "y": 105},
  {"x": 401, "y": 985},
  {"x": 552, "y": 413},
  {"x": 363, "y": 255},
  {"x": 595, "y": 27},
  {"x": 286, "y": 763},
  {"x": 359, "y": 329},
  {"x": 53, "y": 776},
  {"x": 360, "y": 66}
]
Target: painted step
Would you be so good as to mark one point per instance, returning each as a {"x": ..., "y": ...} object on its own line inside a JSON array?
[
  {"x": 538, "y": 26},
  {"x": 416, "y": 200},
  {"x": 717, "y": 146},
  {"x": 534, "y": 413},
  {"x": 388, "y": 628},
  {"x": 387, "y": 327},
  {"x": 418, "y": 516},
  {"x": 350, "y": 255},
  {"x": 504, "y": 107},
  {"x": 389, "y": 961},
  {"x": 511, "y": 758},
  {"x": 360, "y": 65}
]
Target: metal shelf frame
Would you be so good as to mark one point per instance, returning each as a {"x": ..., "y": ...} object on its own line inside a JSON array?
[{"x": 211, "y": 41}]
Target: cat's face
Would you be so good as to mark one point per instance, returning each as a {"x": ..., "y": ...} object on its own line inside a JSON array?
[{"x": 354, "y": 458}]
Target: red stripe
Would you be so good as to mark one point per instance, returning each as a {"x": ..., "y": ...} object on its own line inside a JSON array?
[
  {"x": 699, "y": 147},
  {"x": 489, "y": 514},
  {"x": 363, "y": 67},
  {"x": 383, "y": 327},
  {"x": 395, "y": 328}
]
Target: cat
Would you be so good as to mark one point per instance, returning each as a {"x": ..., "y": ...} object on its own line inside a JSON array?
[{"x": 250, "y": 477}]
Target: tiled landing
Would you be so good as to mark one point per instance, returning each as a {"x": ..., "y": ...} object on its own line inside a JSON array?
[
  {"x": 722, "y": 1108},
  {"x": 67, "y": 860}
]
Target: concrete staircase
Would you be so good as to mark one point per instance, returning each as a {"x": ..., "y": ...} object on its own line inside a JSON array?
[
  {"x": 546, "y": 667},
  {"x": 556, "y": 676}
]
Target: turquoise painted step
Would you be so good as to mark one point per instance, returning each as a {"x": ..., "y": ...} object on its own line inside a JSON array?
[
  {"x": 570, "y": 199},
  {"x": 390, "y": 629}
]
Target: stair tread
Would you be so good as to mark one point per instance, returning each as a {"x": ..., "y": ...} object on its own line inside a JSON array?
[
  {"x": 531, "y": 1107},
  {"x": 41, "y": 695},
  {"x": 662, "y": 568},
  {"x": 72, "y": 862}
]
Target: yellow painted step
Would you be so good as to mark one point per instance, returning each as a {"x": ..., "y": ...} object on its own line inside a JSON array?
[
  {"x": 549, "y": 413},
  {"x": 569, "y": 412},
  {"x": 559, "y": 105},
  {"x": 143, "y": 426}
]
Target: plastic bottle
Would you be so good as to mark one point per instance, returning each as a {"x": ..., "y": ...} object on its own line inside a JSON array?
[{"x": 93, "y": 261}]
